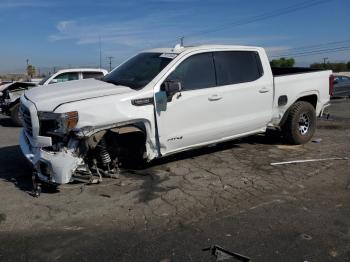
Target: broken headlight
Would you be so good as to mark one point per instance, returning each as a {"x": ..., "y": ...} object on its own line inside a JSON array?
[{"x": 57, "y": 123}]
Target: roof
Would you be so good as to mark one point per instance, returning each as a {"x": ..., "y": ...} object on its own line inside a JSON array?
[
  {"x": 180, "y": 49},
  {"x": 81, "y": 70}
]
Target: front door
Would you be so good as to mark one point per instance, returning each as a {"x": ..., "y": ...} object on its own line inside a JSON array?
[{"x": 190, "y": 118}]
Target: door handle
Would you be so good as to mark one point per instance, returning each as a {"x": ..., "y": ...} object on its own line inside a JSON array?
[
  {"x": 264, "y": 90},
  {"x": 214, "y": 98}
]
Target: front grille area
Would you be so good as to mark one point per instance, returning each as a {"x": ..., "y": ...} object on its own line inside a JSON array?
[{"x": 27, "y": 121}]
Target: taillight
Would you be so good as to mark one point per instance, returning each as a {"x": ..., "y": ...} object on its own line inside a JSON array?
[{"x": 331, "y": 85}]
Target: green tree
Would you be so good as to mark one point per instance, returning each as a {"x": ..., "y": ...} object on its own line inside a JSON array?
[
  {"x": 31, "y": 71},
  {"x": 337, "y": 67},
  {"x": 283, "y": 62},
  {"x": 348, "y": 65}
]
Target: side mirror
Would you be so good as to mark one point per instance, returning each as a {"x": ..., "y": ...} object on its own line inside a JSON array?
[{"x": 171, "y": 87}]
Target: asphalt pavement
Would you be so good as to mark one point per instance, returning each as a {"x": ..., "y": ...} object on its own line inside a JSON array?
[{"x": 228, "y": 195}]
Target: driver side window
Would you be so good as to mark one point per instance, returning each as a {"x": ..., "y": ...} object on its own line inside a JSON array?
[{"x": 196, "y": 72}]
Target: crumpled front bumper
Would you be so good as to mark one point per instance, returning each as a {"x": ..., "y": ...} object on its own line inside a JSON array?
[{"x": 52, "y": 167}]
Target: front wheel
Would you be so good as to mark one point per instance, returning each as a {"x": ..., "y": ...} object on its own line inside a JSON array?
[{"x": 300, "y": 124}]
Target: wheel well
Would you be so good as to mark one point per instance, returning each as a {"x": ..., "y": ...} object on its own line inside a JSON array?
[
  {"x": 312, "y": 99},
  {"x": 126, "y": 143}
]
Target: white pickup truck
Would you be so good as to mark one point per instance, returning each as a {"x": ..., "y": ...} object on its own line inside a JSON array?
[
  {"x": 165, "y": 101},
  {"x": 10, "y": 93}
]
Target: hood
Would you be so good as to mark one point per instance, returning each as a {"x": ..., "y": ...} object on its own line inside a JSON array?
[
  {"x": 17, "y": 86},
  {"x": 5, "y": 86},
  {"x": 47, "y": 98}
]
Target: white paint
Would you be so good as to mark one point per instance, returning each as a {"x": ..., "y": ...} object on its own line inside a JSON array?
[{"x": 192, "y": 119}]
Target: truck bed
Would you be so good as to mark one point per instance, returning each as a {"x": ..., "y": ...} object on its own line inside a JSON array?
[
  {"x": 279, "y": 71},
  {"x": 295, "y": 82}
]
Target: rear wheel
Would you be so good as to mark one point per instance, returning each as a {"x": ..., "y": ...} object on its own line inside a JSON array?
[
  {"x": 16, "y": 116},
  {"x": 300, "y": 125}
]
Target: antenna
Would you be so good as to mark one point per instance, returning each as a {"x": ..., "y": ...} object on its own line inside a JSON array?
[{"x": 99, "y": 43}]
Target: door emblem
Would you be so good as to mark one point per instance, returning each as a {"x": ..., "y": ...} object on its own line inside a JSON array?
[{"x": 174, "y": 138}]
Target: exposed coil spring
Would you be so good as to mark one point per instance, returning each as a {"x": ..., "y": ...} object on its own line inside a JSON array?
[{"x": 103, "y": 153}]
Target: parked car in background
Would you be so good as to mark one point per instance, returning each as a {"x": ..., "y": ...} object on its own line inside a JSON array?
[
  {"x": 73, "y": 74},
  {"x": 11, "y": 92},
  {"x": 341, "y": 86}
]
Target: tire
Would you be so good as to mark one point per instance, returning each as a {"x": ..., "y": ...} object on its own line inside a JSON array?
[
  {"x": 15, "y": 115},
  {"x": 300, "y": 124}
]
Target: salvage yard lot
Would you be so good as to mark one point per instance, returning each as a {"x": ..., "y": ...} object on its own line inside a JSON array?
[{"x": 228, "y": 195}]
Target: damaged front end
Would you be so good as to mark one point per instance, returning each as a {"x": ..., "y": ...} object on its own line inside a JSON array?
[
  {"x": 11, "y": 93},
  {"x": 62, "y": 153}
]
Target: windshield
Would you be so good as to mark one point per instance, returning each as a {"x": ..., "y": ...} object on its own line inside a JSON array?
[
  {"x": 44, "y": 80},
  {"x": 139, "y": 70}
]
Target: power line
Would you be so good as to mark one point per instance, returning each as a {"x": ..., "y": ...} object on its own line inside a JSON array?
[
  {"x": 263, "y": 16},
  {"x": 316, "y": 52},
  {"x": 307, "y": 47}
]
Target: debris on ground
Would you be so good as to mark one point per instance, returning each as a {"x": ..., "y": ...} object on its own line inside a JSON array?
[
  {"x": 308, "y": 160},
  {"x": 317, "y": 140},
  {"x": 306, "y": 237},
  {"x": 221, "y": 254}
]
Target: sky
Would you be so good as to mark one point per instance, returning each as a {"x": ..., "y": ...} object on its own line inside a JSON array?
[{"x": 66, "y": 33}]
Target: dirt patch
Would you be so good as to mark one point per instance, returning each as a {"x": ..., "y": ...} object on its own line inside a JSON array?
[{"x": 2, "y": 217}]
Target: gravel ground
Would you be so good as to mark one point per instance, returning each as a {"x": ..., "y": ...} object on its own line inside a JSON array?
[{"x": 228, "y": 195}]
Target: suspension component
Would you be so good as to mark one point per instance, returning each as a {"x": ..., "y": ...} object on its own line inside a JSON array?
[{"x": 103, "y": 154}]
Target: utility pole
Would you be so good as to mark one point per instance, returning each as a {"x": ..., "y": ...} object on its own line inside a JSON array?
[
  {"x": 324, "y": 60},
  {"x": 27, "y": 61},
  {"x": 110, "y": 62},
  {"x": 182, "y": 38}
]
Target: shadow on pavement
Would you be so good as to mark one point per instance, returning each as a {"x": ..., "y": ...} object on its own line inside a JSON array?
[
  {"x": 6, "y": 122},
  {"x": 15, "y": 169},
  {"x": 156, "y": 173},
  {"x": 272, "y": 137}
]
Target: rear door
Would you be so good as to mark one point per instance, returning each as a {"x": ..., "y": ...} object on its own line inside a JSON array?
[{"x": 246, "y": 90}]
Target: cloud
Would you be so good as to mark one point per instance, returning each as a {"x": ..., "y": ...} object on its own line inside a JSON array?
[
  {"x": 149, "y": 31},
  {"x": 63, "y": 25},
  {"x": 136, "y": 32},
  {"x": 275, "y": 50},
  {"x": 24, "y": 3}
]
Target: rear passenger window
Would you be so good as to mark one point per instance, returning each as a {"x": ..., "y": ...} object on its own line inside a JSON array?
[
  {"x": 196, "y": 72},
  {"x": 97, "y": 75},
  {"x": 233, "y": 67}
]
